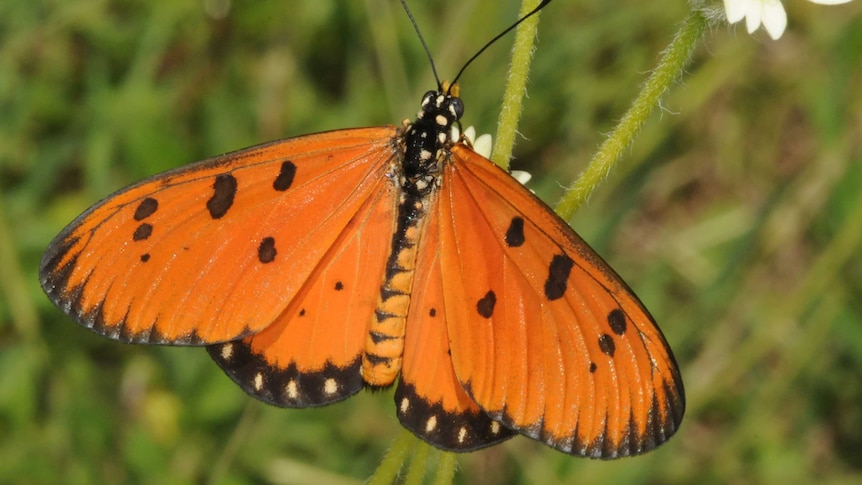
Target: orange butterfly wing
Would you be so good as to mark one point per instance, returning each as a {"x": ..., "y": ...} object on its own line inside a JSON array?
[
  {"x": 328, "y": 317},
  {"x": 429, "y": 400},
  {"x": 216, "y": 250},
  {"x": 544, "y": 336}
]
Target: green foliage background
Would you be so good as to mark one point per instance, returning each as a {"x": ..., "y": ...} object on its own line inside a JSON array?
[{"x": 735, "y": 216}]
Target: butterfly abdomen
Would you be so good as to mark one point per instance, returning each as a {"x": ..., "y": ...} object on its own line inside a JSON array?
[{"x": 385, "y": 342}]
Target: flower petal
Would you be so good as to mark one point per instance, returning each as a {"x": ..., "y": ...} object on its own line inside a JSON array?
[
  {"x": 774, "y": 18},
  {"x": 735, "y": 10},
  {"x": 483, "y": 145},
  {"x": 752, "y": 17}
]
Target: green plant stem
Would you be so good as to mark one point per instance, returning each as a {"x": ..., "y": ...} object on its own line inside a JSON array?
[
  {"x": 516, "y": 86},
  {"x": 446, "y": 468},
  {"x": 391, "y": 464},
  {"x": 418, "y": 465},
  {"x": 670, "y": 68}
]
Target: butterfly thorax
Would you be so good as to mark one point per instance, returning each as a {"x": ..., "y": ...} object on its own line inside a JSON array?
[
  {"x": 426, "y": 144},
  {"x": 428, "y": 139}
]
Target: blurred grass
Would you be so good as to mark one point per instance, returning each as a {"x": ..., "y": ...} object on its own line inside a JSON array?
[{"x": 734, "y": 216}]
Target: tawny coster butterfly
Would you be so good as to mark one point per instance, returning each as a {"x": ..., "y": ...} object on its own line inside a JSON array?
[{"x": 316, "y": 266}]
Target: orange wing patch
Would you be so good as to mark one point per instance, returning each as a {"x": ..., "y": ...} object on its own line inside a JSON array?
[
  {"x": 250, "y": 226},
  {"x": 429, "y": 399},
  {"x": 544, "y": 336},
  {"x": 311, "y": 355}
]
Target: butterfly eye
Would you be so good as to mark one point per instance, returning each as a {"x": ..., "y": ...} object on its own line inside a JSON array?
[
  {"x": 456, "y": 108},
  {"x": 428, "y": 97}
]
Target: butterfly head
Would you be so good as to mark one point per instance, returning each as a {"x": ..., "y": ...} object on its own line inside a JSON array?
[{"x": 440, "y": 109}]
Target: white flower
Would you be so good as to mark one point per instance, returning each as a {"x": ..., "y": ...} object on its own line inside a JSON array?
[
  {"x": 770, "y": 13},
  {"x": 481, "y": 144},
  {"x": 521, "y": 176}
]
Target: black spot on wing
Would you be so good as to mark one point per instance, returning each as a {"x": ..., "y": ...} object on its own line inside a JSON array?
[
  {"x": 145, "y": 257},
  {"x": 617, "y": 321},
  {"x": 515, "y": 233},
  {"x": 485, "y": 305},
  {"x": 606, "y": 343},
  {"x": 266, "y": 251},
  {"x": 432, "y": 312},
  {"x": 285, "y": 176},
  {"x": 224, "y": 191},
  {"x": 558, "y": 276},
  {"x": 142, "y": 232},
  {"x": 339, "y": 286},
  {"x": 593, "y": 367},
  {"x": 289, "y": 386},
  {"x": 146, "y": 208},
  {"x": 449, "y": 430}
]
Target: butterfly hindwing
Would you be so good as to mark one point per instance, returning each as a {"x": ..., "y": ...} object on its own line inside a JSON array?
[
  {"x": 545, "y": 337},
  {"x": 311, "y": 354},
  {"x": 429, "y": 400},
  {"x": 214, "y": 251}
]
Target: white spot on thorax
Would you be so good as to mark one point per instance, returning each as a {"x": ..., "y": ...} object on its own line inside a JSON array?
[{"x": 441, "y": 120}]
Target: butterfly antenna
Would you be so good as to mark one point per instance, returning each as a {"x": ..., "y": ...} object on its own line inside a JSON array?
[
  {"x": 424, "y": 45},
  {"x": 495, "y": 39}
]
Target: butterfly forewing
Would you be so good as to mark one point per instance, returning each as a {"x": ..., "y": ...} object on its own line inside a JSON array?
[
  {"x": 215, "y": 250},
  {"x": 544, "y": 335}
]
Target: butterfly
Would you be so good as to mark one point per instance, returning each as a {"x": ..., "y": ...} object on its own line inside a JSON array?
[{"x": 316, "y": 266}]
